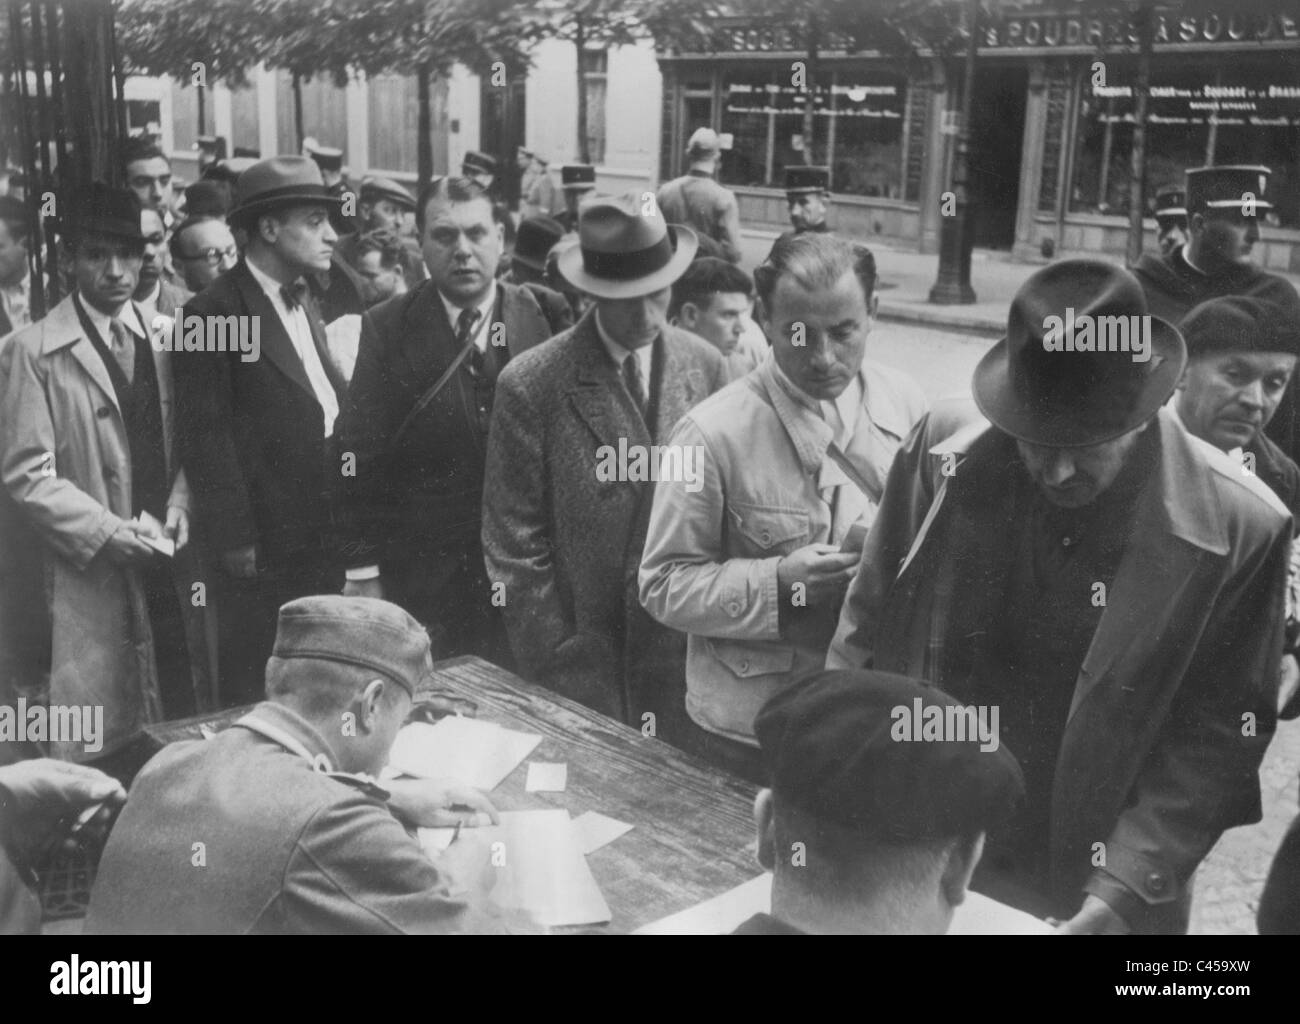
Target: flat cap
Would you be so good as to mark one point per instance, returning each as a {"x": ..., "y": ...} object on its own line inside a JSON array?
[
  {"x": 1241, "y": 323},
  {"x": 889, "y": 757},
  {"x": 361, "y": 631},
  {"x": 374, "y": 189}
]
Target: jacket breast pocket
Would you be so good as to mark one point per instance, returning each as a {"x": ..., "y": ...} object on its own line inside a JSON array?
[
  {"x": 764, "y": 531},
  {"x": 749, "y": 660}
]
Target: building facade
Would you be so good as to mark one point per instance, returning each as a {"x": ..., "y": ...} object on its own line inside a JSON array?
[{"x": 1051, "y": 125}]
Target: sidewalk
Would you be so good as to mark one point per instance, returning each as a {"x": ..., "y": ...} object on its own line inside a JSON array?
[{"x": 906, "y": 278}]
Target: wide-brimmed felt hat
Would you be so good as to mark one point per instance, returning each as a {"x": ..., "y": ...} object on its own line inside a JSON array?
[
  {"x": 1029, "y": 388},
  {"x": 536, "y": 237},
  {"x": 278, "y": 182},
  {"x": 624, "y": 252},
  {"x": 102, "y": 210}
]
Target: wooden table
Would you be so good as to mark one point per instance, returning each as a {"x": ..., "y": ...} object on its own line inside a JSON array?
[{"x": 692, "y": 827}]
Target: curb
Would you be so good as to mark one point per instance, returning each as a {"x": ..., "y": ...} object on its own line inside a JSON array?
[{"x": 983, "y": 326}]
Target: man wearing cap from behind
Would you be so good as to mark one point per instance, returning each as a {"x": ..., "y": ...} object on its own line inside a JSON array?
[
  {"x": 564, "y": 506},
  {"x": 1111, "y": 584},
  {"x": 276, "y": 825},
  {"x": 891, "y": 828},
  {"x": 698, "y": 201}
]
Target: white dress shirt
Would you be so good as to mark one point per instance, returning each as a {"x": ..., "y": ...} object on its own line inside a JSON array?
[
  {"x": 299, "y": 329},
  {"x": 101, "y": 321},
  {"x": 17, "y": 300},
  {"x": 480, "y": 336},
  {"x": 618, "y": 353}
]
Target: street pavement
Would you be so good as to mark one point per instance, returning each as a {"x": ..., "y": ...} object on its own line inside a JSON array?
[{"x": 1229, "y": 881}]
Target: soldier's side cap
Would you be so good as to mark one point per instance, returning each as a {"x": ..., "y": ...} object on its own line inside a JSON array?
[
  {"x": 373, "y": 189},
  {"x": 1243, "y": 323},
  {"x": 704, "y": 140},
  {"x": 361, "y": 631},
  {"x": 1228, "y": 186},
  {"x": 838, "y": 748},
  {"x": 800, "y": 179}
]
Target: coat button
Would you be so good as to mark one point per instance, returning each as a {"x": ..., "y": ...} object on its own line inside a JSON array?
[
  {"x": 766, "y": 538},
  {"x": 1157, "y": 883},
  {"x": 103, "y": 412},
  {"x": 744, "y": 667},
  {"x": 733, "y": 609}
]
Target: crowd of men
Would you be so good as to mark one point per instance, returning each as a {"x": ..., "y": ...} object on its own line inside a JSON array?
[{"x": 588, "y": 447}]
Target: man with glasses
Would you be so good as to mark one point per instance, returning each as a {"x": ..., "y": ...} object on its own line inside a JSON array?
[{"x": 203, "y": 249}]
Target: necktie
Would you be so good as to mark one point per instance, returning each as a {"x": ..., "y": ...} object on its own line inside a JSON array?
[
  {"x": 632, "y": 378},
  {"x": 293, "y": 293},
  {"x": 123, "y": 347},
  {"x": 465, "y": 325}
]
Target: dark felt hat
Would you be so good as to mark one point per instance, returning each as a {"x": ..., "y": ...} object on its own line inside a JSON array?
[
  {"x": 207, "y": 198},
  {"x": 1227, "y": 187},
  {"x": 278, "y": 182},
  {"x": 374, "y": 189},
  {"x": 536, "y": 237},
  {"x": 577, "y": 176},
  {"x": 853, "y": 749},
  {"x": 479, "y": 163},
  {"x": 102, "y": 210},
  {"x": 1060, "y": 377},
  {"x": 227, "y": 170},
  {"x": 800, "y": 179},
  {"x": 361, "y": 631},
  {"x": 624, "y": 252},
  {"x": 1243, "y": 323}
]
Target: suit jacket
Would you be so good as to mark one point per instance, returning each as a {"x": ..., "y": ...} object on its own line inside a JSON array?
[
  {"x": 251, "y": 433},
  {"x": 66, "y": 463},
  {"x": 287, "y": 849},
  {"x": 566, "y": 545},
  {"x": 1156, "y": 761},
  {"x": 425, "y": 495}
]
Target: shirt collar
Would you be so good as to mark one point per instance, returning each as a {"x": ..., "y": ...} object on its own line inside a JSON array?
[
  {"x": 1186, "y": 253},
  {"x": 618, "y": 353},
  {"x": 269, "y": 284},
  {"x": 100, "y": 321},
  {"x": 484, "y": 308}
]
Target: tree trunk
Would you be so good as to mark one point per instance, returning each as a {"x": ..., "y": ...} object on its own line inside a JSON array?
[
  {"x": 424, "y": 128},
  {"x": 202, "y": 96},
  {"x": 1137, "y": 186},
  {"x": 810, "y": 85},
  {"x": 297, "y": 111},
  {"x": 580, "y": 41}
]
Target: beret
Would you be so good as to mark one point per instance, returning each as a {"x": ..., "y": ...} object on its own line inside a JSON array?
[
  {"x": 1243, "y": 323},
  {"x": 856, "y": 749},
  {"x": 361, "y": 631}
]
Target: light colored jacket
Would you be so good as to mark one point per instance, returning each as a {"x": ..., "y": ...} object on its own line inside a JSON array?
[
  {"x": 698, "y": 201},
  {"x": 709, "y": 565},
  {"x": 65, "y": 461}
]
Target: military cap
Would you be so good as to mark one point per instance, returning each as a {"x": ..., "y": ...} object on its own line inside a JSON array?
[
  {"x": 846, "y": 747},
  {"x": 478, "y": 163},
  {"x": 1171, "y": 202},
  {"x": 577, "y": 176},
  {"x": 1221, "y": 188},
  {"x": 361, "y": 631},
  {"x": 800, "y": 179},
  {"x": 704, "y": 140},
  {"x": 374, "y": 189},
  {"x": 327, "y": 158},
  {"x": 1242, "y": 323}
]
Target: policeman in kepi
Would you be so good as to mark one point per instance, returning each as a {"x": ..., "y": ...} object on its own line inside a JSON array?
[
  {"x": 276, "y": 824},
  {"x": 1171, "y": 219}
]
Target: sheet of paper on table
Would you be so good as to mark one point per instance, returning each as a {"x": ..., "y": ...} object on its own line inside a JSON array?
[
  {"x": 978, "y": 915},
  {"x": 477, "y": 753},
  {"x": 542, "y": 869},
  {"x": 546, "y": 777},
  {"x": 596, "y": 830}
]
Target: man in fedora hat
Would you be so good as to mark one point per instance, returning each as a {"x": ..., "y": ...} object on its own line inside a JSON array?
[
  {"x": 568, "y": 492},
  {"x": 1110, "y": 583},
  {"x": 807, "y": 193},
  {"x": 1223, "y": 210},
  {"x": 417, "y": 420},
  {"x": 296, "y": 835},
  {"x": 256, "y": 429},
  {"x": 754, "y": 565},
  {"x": 88, "y": 456},
  {"x": 698, "y": 201}
]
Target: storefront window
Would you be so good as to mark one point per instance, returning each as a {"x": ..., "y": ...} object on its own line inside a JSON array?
[
  {"x": 858, "y": 130},
  {"x": 1196, "y": 116}
]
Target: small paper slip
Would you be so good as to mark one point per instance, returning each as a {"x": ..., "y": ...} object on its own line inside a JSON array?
[
  {"x": 477, "y": 753},
  {"x": 159, "y": 543},
  {"x": 595, "y": 830},
  {"x": 541, "y": 867},
  {"x": 978, "y": 915},
  {"x": 546, "y": 777}
]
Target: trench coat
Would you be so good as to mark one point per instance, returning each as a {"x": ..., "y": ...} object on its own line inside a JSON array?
[
  {"x": 58, "y": 399},
  {"x": 1174, "y": 704}
]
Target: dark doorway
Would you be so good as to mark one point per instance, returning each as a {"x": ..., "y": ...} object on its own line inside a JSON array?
[
  {"x": 501, "y": 130},
  {"x": 997, "y": 137}
]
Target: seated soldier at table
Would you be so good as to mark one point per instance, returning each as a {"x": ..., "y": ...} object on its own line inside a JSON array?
[
  {"x": 271, "y": 825},
  {"x": 867, "y": 831}
]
